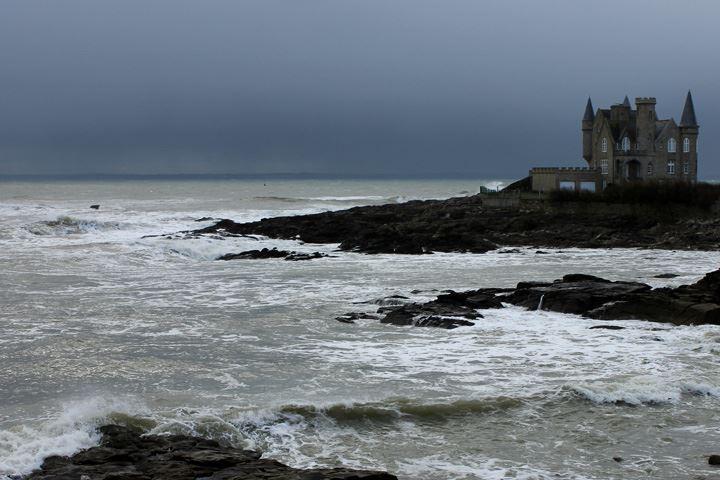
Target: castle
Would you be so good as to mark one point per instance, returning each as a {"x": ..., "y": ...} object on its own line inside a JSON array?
[{"x": 622, "y": 144}]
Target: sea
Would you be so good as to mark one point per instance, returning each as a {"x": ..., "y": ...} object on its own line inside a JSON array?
[{"x": 103, "y": 321}]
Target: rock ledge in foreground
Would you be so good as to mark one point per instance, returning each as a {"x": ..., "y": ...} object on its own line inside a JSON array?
[{"x": 124, "y": 454}]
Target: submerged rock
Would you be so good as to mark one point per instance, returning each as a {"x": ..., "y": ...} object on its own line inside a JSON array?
[{"x": 124, "y": 453}]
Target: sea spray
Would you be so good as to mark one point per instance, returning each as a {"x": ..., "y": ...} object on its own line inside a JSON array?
[{"x": 23, "y": 448}]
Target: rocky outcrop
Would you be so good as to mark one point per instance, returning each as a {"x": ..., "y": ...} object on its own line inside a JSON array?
[
  {"x": 449, "y": 310},
  {"x": 125, "y": 454},
  {"x": 467, "y": 225},
  {"x": 579, "y": 294},
  {"x": 271, "y": 253}
]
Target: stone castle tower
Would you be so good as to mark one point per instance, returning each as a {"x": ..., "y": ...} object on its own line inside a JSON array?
[{"x": 628, "y": 145}]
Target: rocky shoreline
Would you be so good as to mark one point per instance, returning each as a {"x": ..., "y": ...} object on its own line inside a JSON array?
[
  {"x": 125, "y": 454},
  {"x": 469, "y": 224},
  {"x": 585, "y": 295}
]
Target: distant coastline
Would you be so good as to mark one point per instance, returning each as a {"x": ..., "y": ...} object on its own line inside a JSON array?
[{"x": 248, "y": 176}]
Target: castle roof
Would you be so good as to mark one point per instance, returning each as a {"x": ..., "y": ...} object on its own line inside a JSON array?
[
  {"x": 589, "y": 113},
  {"x": 688, "y": 116},
  {"x": 626, "y": 102}
]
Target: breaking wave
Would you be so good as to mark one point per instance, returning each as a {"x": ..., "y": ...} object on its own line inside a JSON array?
[
  {"x": 639, "y": 391},
  {"x": 23, "y": 448},
  {"x": 66, "y": 225},
  {"x": 396, "y": 409}
]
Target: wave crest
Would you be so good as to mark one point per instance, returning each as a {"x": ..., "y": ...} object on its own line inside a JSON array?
[{"x": 67, "y": 225}]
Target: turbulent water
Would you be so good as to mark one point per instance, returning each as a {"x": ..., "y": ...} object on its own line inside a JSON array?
[{"x": 99, "y": 324}]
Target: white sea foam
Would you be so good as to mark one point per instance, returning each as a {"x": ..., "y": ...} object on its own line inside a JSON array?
[
  {"x": 24, "y": 447},
  {"x": 223, "y": 349},
  {"x": 478, "y": 467}
]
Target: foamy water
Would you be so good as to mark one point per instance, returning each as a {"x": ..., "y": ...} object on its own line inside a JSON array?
[{"x": 100, "y": 324}]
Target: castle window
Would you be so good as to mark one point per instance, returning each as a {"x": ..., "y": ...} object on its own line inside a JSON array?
[
  {"x": 626, "y": 144},
  {"x": 672, "y": 145},
  {"x": 650, "y": 169},
  {"x": 671, "y": 167},
  {"x": 604, "y": 144},
  {"x": 604, "y": 166},
  {"x": 686, "y": 145},
  {"x": 686, "y": 168}
]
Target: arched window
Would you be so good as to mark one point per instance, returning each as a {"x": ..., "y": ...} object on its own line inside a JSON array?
[
  {"x": 650, "y": 169},
  {"x": 626, "y": 144},
  {"x": 672, "y": 145},
  {"x": 604, "y": 144},
  {"x": 686, "y": 145},
  {"x": 671, "y": 167}
]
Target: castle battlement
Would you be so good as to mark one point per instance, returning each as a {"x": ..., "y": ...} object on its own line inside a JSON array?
[{"x": 562, "y": 169}]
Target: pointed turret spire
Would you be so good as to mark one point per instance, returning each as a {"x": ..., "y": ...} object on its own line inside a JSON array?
[
  {"x": 589, "y": 113},
  {"x": 688, "y": 115},
  {"x": 626, "y": 102}
]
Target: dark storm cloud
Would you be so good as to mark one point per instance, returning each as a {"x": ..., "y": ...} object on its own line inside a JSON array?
[{"x": 342, "y": 87}]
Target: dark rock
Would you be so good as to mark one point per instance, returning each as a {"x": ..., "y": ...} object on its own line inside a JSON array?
[
  {"x": 714, "y": 460},
  {"x": 449, "y": 310},
  {"x": 350, "y": 317},
  {"x": 295, "y": 256},
  {"x": 541, "y": 252},
  {"x": 573, "y": 294},
  {"x": 618, "y": 459},
  {"x": 402, "y": 317},
  {"x": 603, "y": 299},
  {"x": 667, "y": 275},
  {"x": 607, "y": 327},
  {"x": 272, "y": 253},
  {"x": 204, "y": 219},
  {"x": 468, "y": 224},
  {"x": 125, "y": 454},
  {"x": 95, "y": 207},
  {"x": 256, "y": 254}
]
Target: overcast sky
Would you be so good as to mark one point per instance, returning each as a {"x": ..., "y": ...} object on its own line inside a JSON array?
[{"x": 445, "y": 87}]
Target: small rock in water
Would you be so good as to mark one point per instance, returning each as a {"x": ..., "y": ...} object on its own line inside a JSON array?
[
  {"x": 204, "y": 219},
  {"x": 618, "y": 459},
  {"x": 350, "y": 317},
  {"x": 95, "y": 207},
  {"x": 271, "y": 253},
  {"x": 607, "y": 327},
  {"x": 666, "y": 275},
  {"x": 714, "y": 460},
  {"x": 295, "y": 256}
]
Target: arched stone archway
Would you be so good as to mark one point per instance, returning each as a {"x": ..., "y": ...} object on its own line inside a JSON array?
[{"x": 633, "y": 170}]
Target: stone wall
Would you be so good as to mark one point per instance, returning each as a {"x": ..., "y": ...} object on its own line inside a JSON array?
[{"x": 547, "y": 179}]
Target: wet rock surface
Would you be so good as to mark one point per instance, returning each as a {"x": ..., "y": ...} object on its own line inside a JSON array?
[
  {"x": 579, "y": 294},
  {"x": 272, "y": 253},
  {"x": 124, "y": 454},
  {"x": 467, "y": 225}
]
